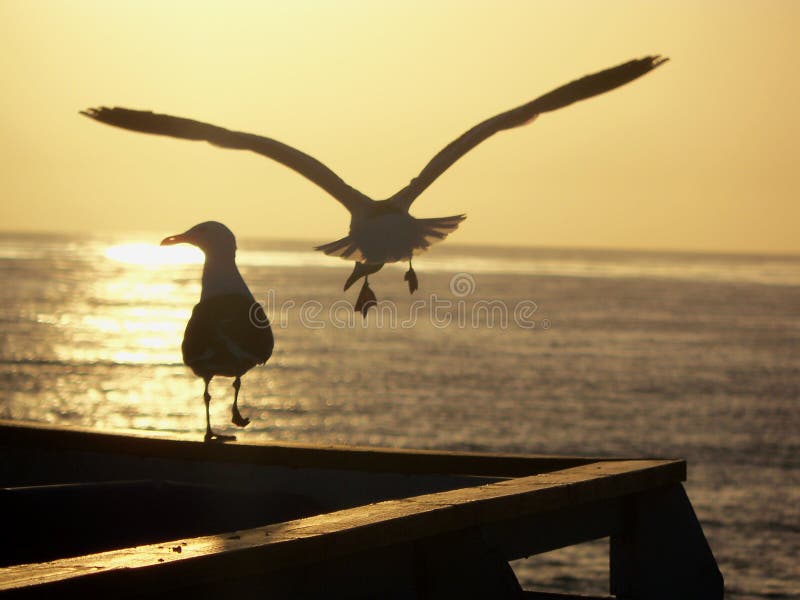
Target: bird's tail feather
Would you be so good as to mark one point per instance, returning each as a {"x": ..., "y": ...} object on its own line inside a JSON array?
[
  {"x": 346, "y": 248},
  {"x": 392, "y": 248}
]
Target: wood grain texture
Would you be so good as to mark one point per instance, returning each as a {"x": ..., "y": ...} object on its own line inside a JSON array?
[
  {"x": 340, "y": 533},
  {"x": 356, "y": 458}
]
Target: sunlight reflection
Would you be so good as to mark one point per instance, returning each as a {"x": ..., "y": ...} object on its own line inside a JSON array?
[
  {"x": 153, "y": 255},
  {"x": 104, "y": 324},
  {"x": 139, "y": 311},
  {"x": 157, "y": 342},
  {"x": 127, "y": 357},
  {"x": 118, "y": 325},
  {"x": 132, "y": 290}
]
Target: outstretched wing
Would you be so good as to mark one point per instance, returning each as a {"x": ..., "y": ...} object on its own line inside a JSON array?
[
  {"x": 177, "y": 127},
  {"x": 580, "y": 89}
]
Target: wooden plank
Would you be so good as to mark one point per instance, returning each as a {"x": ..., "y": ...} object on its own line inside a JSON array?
[
  {"x": 547, "y": 531},
  {"x": 530, "y": 595},
  {"x": 324, "y": 537},
  {"x": 14, "y": 434},
  {"x": 462, "y": 564},
  {"x": 333, "y": 489},
  {"x": 661, "y": 552}
]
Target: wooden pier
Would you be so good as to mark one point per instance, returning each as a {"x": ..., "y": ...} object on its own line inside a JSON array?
[{"x": 132, "y": 516}]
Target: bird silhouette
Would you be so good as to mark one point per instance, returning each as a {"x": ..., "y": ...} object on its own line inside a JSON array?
[
  {"x": 228, "y": 333},
  {"x": 381, "y": 231}
]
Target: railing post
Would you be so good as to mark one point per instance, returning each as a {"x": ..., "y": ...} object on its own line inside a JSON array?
[{"x": 661, "y": 552}]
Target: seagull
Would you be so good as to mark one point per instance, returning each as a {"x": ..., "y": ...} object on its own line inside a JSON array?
[
  {"x": 381, "y": 231},
  {"x": 228, "y": 333}
]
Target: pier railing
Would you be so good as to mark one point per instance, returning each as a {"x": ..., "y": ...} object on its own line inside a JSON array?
[{"x": 397, "y": 524}]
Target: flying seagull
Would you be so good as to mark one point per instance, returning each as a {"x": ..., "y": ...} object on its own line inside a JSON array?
[
  {"x": 381, "y": 231},
  {"x": 228, "y": 333}
]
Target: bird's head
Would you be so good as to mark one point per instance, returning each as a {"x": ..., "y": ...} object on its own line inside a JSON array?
[{"x": 212, "y": 237}]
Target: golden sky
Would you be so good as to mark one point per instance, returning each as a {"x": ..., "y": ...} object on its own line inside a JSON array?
[{"x": 701, "y": 154}]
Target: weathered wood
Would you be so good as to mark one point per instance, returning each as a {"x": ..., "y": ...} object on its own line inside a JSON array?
[
  {"x": 329, "y": 536},
  {"x": 661, "y": 552},
  {"x": 389, "y": 573},
  {"x": 285, "y": 454},
  {"x": 57, "y": 521},
  {"x": 461, "y": 503},
  {"x": 332, "y": 489},
  {"x": 525, "y": 536},
  {"x": 527, "y": 595},
  {"x": 463, "y": 565}
]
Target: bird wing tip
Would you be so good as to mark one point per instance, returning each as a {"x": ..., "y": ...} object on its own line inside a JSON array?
[
  {"x": 94, "y": 112},
  {"x": 657, "y": 60}
]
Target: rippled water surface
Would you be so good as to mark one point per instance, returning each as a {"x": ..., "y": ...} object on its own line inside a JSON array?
[{"x": 552, "y": 351}]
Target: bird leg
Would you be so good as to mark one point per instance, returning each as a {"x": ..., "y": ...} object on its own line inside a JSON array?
[
  {"x": 360, "y": 270},
  {"x": 411, "y": 278},
  {"x": 237, "y": 419},
  {"x": 366, "y": 299},
  {"x": 210, "y": 435}
]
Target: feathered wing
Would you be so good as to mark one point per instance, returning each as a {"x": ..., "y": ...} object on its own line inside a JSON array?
[
  {"x": 580, "y": 89},
  {"x": 431, "y": 231},
  {"x": 188, "y": 129},
  {"x": 226, "y": 335}
]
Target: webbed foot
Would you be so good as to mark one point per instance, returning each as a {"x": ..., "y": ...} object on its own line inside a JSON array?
[
  {"x": 218, "y": 437},
  {"x": 366, "y": 299},
  {"x": 411, "y": 278},
  {"x": 237, "y": 418}
]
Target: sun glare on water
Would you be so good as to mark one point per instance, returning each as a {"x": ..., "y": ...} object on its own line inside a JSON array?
[
  {"x": 145, "y": 306},
  {"x": 153, "y": 255}
]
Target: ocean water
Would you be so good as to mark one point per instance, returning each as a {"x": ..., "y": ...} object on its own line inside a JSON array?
[{"x": 510, "y": 350}]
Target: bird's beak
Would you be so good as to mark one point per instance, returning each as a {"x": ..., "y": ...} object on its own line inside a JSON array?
[{"x": 181, "y": 238}]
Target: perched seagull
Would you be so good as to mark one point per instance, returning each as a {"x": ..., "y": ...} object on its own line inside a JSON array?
[
  {"x": 381, "y": 231},
  {"x": 228, "y": 333}
]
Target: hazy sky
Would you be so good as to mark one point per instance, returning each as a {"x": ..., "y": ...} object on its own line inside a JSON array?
[{"x": 700, "y": 154}]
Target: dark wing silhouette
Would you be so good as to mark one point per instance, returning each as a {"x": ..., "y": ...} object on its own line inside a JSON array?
[
  {"x": 307, "y": 166},
  {"x": 226, "y": 335},
  {"x": 580, "y": 89}
]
